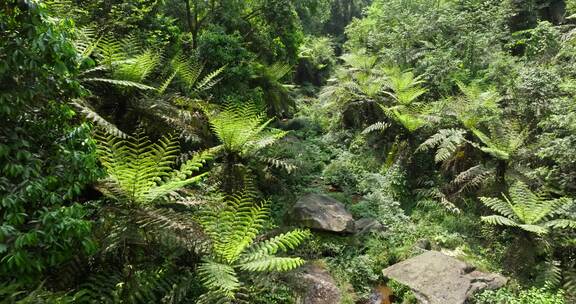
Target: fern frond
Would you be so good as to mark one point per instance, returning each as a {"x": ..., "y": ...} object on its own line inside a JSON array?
[
  {"x": 499, "y": 220},
  {"x": 242, "y": 129},
  {"x": 500, "y": 206},
  {"x": 122, "y": 83},
  {"x": 472, "y": 178},
  {"x": 379, "y": 126},
  {"x": 433, "y": 196},
  {"x": 278, "y": 163},
  {"x": 552, "y": 273},
  {"x": 280, "y": 243},
  {"x": 272, "y": 263},
  {"x": 561, "y": 224},
  {"x": 111, "y": 50},
  {"x": 187, "y": 70},
  {"x": 137, "y": 68},
  {"x": 570, "y": 280},
  {"x": 209, "y": 80},
  {"x": 540, "y": 230},
  {"x": 447, "y": 141},
  {"x": 172, "y": 228},
  {"x": 219, "y": 277},
  {"x": 141, "y": 170},
  {"x": 86, "y": 41},
  {"x": 98, "y": 120}
]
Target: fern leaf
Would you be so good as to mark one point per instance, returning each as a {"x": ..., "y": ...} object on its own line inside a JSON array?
[
  {"x": 122, "y": 83},
  {"x": 447, "y": 141},
  {"x": 98, "y": 120},
  {"x": 561, "y": 224},
  {"x": 219, "y": 277},
  {"x": 280, "y": 243},
  {"x": 534, "y": 228},
  {"x": 272, "y": 263},
  {"x": 379, "y": 126},
  {"x": 500, "y": 206},
  {"x": 209, "y": 80},
  {"x": 499, "y": 220}
]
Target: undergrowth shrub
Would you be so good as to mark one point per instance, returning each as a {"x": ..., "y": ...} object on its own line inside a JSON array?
[{"x": 529, "y": 296}]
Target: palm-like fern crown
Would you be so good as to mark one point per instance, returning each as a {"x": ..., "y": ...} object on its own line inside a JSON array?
[
  {"x": 404, "y": 85},
  {"x": 502, "y": 139},
  {"x": 233, "y": 228},
  {"x": 404, "y": 88},
  {"x": 188, "y": 71},
  {"x": 243, "y": 129},
  {"x": 358, "y": 61},
  {"x": 140, "y": 172},
  {"x": 527, "y": 210},
  {"x": 477, "y": 106}
]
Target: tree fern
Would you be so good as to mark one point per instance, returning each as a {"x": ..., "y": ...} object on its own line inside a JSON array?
[
  {"x": 476, "y": 106},
  {"x": 243, "y": 129},
  {"x": 446, "y": 142},
  {"x": 279, "y": 101},
  {"x": 233, "y": 227},
  {"x": 527, "y": 211},
  {"x": 502, "y": 140},
  {"x": 140, "y": 172},
  {"x": 189, "y": 70},
  {"x": 405, "y": 89}
]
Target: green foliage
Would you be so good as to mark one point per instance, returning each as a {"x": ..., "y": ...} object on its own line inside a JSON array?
[
  {"x": 442, "y": 40},
  {"x": 526, "y": 296},
  {"x": 540, "y": 43},
  {"x": 233, "y": 228},
  {"x": 316, "y": 59},
  {"x": 536, "y": 215},
  {"x": 276, "y": 94},
  {"x": 405, "y": 89},
  {"x": 528, "y": 211},
  {"x": 46, "y": 155},
  {"x": 140, "y": 172},
  {"x": 242, "y": 129},
  {"x": 243, "y": 132},
  {"x": 446, "y": 142}
]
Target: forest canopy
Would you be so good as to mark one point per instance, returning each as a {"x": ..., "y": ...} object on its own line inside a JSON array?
[{"x": 258, "y": 151}]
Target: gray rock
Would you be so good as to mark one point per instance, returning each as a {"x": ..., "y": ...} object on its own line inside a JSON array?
[
  {"x": 319, "y": 286},
  {"x": 423, "y": 244},
  {"x": 321, "y": 212},
  {"x": 436, "y": 278},
  {"x": 366, "y": 225}
]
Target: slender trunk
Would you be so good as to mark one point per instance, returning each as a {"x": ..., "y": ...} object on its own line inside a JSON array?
[
  {"x": 195, "y": 29},
  {"x": 188, "y": 15},
  {"x": 501, "y": 168}
]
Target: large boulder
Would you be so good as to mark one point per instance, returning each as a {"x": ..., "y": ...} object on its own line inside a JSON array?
[
  {"x": 318, "y": 286},
  {"x": 368, "y": 225},
  {"x": 436, "y": 278},
  {"x": 321, "y": 212}
]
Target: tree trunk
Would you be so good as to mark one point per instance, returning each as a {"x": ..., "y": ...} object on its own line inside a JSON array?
[{"x": 188, "y": 15}]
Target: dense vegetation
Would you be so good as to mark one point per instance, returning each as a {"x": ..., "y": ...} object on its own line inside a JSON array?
[{"x": 150, "y": 150}]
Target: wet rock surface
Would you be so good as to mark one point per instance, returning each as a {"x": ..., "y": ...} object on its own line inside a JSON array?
[
  {"x": 436, "y": 278},
  {"x": 319, "y": 286},
  {"x": 321, "y": 212}
]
